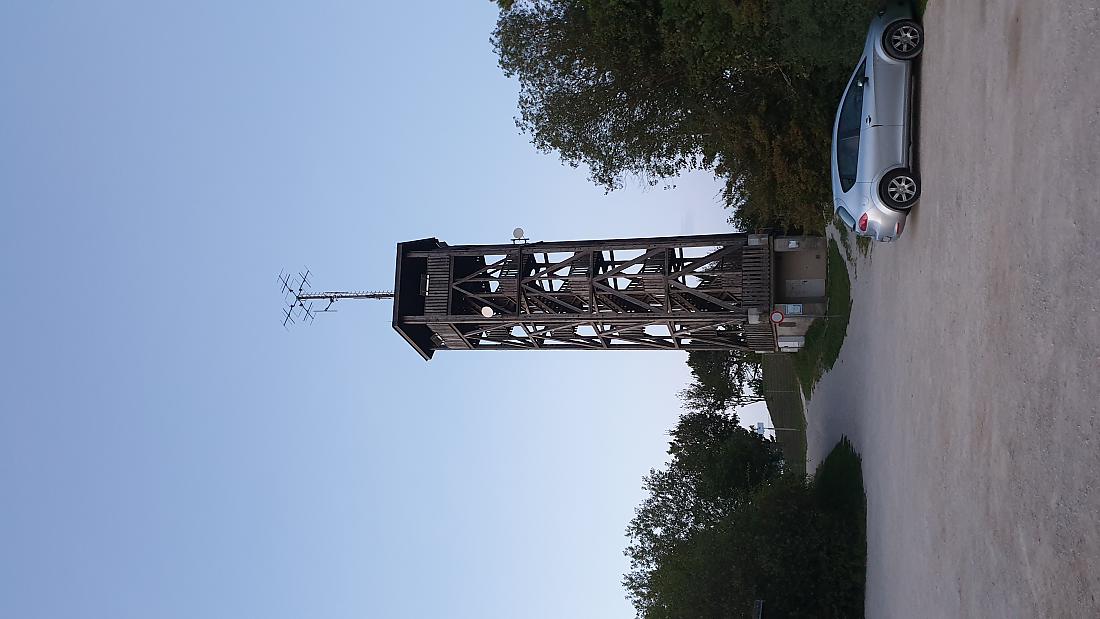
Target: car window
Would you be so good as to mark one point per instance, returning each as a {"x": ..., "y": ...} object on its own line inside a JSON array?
[
  {"x": 847, "y": 161},
  {"x": 847, "y": 131},
  {"x": 852, "y": 109},
  {"x": 846, "y": 217}
]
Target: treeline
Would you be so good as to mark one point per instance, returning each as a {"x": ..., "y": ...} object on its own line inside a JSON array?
[
  {"x": 649, "y": 88},
  {"x": 723, "y": 527}
]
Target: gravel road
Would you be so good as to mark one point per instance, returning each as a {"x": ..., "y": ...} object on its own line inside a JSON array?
[{"x": 970, "y": 379}]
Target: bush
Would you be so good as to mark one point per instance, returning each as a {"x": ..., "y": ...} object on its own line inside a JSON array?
[
  {"x": 721, "y": 529},
  {"x": 810, "y": 541}
]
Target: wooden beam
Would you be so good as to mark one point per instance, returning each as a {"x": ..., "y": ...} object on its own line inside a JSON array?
[
  {"x": 486, "y": 301},
  {"x": 697, "y": 240},
  {"x": 698, "y": 263},
  {"x": 553, "y": 268},
  {"x": 532, "y": 293},
  {"x": 539, "y": 332},
  {"x": 688, "y": 332},
  {"x": 629, "y": 263},
  {"x": 649, "y": 340},
  {"x": 683, "y": 318},
  {"x": 619, "y": 294},
  {"x": 703, "y": 295},
  {"x": 484, "y": 269}
]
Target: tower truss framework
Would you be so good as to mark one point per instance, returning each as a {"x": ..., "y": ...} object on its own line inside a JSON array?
[{"x": 704, "y": 292}]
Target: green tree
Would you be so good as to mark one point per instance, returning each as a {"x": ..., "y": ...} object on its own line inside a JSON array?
[
  {"x": 650, "y": 88},
  {"x": 721, "y": 527},
  {"x": 595, "y": 88},
  {"x": 682, "y": 526},
  {"x": 722, "y": 380}
]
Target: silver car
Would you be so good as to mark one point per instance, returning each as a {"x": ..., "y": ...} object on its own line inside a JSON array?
[{"x": 874, "y": 185}]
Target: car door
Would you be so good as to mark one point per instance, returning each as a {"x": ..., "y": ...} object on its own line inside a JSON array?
[
  {"x": 870, "y": 152},
  {"x": 884, "y": 110},
  {"x": 890, "y": 82}
]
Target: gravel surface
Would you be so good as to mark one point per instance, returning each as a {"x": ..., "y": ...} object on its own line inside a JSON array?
[{"x": 970, "y": 378}]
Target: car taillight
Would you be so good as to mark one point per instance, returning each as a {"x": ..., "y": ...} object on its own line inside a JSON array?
[
  {"x": 899, "y": 227},
  {"x": 863, "y": 223}
]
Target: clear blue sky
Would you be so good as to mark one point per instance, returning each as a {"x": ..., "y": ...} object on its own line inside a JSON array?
[{"x": 167, "y": 450}]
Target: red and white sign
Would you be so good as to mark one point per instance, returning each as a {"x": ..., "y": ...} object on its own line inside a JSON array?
[{"x": 777, "y": 316}]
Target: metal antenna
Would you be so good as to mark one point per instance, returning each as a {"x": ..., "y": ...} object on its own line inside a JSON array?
[{"x": 299, "y": 300}]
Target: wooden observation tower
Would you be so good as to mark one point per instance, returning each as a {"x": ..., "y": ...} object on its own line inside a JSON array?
[{"x": 706, "y": 292}]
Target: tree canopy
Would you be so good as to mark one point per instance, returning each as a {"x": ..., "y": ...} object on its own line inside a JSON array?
[
  {"x": 722, "y": 380},
  {"x": 722, "y": 526},
  {"x": 650, "y": 88},
  {"x": 716, "y": 465}
]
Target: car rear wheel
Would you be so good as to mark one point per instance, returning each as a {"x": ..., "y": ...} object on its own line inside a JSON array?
[
  {"x": 899, "y": 189},
  {"x": 903, "y": 39}
]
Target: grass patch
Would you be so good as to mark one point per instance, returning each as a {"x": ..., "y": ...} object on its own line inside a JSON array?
[
  {"x": 780, "y": 390},
  {"x": 826, "y": 335},
  {"x": 864, "y": 244},
  {"x": 845, "y": 237}
]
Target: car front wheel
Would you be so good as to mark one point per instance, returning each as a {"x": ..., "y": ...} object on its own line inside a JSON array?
[
  {"x": 899, "y": 189},
  {"x": 903, "y": 39}
]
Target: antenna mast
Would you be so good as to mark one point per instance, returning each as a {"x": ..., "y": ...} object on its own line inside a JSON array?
[{"x": 300, "y": 301}]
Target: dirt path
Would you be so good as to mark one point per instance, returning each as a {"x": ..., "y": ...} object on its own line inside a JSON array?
[{"x": 970, "y": 379}]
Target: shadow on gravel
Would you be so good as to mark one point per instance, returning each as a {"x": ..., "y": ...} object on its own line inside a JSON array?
[
  {"x": 838, "y": 490},
  {"x": 810, "y": 541}
]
